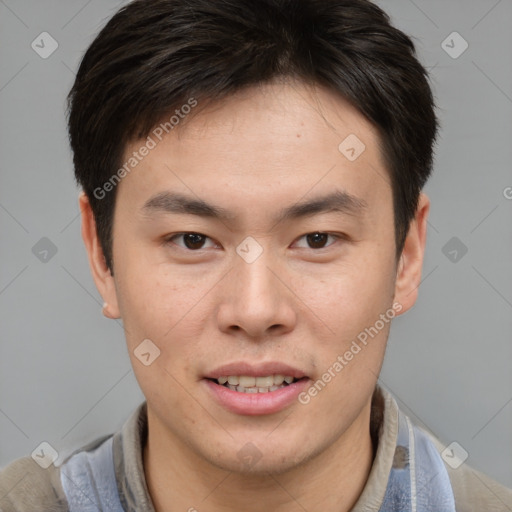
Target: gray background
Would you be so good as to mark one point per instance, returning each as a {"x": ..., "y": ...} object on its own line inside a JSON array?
[{"x": 65, "y": 376}]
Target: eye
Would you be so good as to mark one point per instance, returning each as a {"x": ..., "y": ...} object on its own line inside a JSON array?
[
  {"x": 318, "y": 240},
  {"x": 191, "y": 241}
]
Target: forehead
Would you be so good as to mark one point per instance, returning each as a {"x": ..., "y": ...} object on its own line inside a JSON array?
[
  {"x": 277, "y": 113},
  {"x": 278, "y": 138}
]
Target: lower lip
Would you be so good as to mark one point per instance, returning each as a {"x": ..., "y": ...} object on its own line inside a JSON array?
[{"x": 256, "y": 403}]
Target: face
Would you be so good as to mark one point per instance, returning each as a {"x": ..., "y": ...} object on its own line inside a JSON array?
[{"x": 249, "y": 243}]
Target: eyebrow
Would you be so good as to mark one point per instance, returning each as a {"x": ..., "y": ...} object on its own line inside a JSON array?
[{"x": 175, "y": 203}]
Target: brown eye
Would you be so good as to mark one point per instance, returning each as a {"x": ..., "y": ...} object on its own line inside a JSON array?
[
  {"x": 317, "y": 240},
  {"x": 191, "y": 241}
]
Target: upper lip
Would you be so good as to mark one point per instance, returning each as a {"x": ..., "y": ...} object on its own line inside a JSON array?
[{"x": 255, "y": 370}]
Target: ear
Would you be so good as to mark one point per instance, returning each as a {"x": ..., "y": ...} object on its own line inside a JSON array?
[
  {"x": 101, "y": 274},
  {"x": 408, "y": 276}
]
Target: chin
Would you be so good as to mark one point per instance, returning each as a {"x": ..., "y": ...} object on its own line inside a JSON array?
[
  {"x": 261, "y": 457},
  {"x": 262, "y": 468}
]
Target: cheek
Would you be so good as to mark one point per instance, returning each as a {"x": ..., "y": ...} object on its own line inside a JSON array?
[
  {"x": 153, "y": 299},
  {"x": 348, "y": 297},
  {"x": 170, "y": 308},
  {"x": 161, "y": 308}
]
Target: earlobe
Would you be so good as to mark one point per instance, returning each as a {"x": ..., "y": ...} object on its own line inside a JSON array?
[
  {"x": 100, "y": 272},
  {"x": 106, "y": 312},
  {"x": 409, "y": 269}
]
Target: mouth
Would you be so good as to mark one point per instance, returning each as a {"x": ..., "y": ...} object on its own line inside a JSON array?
[
  {"x": 252, "y": 384},
  {"x": 247, "y": 389}
]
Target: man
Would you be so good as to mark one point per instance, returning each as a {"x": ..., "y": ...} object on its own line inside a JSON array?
[{"x": 252, "y": 210}]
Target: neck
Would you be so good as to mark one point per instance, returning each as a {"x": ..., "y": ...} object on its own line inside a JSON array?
[{"x": 179, "y": 479}]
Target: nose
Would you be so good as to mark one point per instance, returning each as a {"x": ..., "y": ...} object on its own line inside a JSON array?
[{"x": 257, "y": 299}]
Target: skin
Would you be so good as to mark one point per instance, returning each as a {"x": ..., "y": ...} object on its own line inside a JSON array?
[{"x": 259, "y": 151}]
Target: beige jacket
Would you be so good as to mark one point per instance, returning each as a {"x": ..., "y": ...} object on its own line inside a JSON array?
[{"x": 26, "y": 487}]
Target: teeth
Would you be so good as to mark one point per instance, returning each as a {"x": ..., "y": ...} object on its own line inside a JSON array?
[
  {"x": 278, "y": 380},
  {"x": 246, "y": 382},
  {"x": 247, "y": 390},
  {"x": 264, "y": 382},
  {"x": 249, "y": 384}
]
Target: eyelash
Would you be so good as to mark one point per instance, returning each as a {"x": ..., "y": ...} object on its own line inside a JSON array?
[{"x": 169, "y": 240}]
